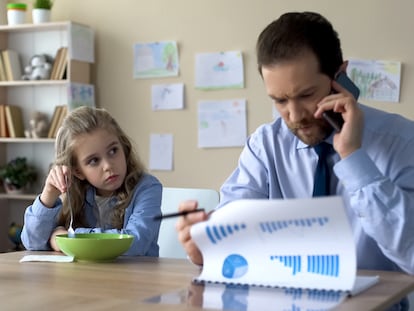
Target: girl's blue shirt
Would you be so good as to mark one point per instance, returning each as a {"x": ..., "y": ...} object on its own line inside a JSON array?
[{"x": 40, "y": 221}]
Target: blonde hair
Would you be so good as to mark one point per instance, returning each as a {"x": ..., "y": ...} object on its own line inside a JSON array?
[{"x": 86, "y": 120}]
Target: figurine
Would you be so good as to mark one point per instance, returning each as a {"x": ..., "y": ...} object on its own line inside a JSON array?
[
  {"x": 39, "y": 125},
  {"x": 39, "y": 68},
  {"x": 14, "y": 233}
]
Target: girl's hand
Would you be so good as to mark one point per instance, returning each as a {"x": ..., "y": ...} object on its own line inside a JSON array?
[
  {"x": 183, "y": 227},
  {"x": 55, "y": 185},
  {"x": 349, "y": 139}
]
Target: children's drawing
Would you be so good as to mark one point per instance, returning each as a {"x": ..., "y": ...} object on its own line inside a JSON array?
[
  {"x": 377, "y": 80},
  {"x": 157, "y": 59},
  {"x": 222, "y": 123},
  {"x": 167, "y": 96},
  {"x": 82, "y": 43},
  {"x": 222, "y": 70},
  {"x": 80, "y": 94},
  {"x": 161, "y": 152}
]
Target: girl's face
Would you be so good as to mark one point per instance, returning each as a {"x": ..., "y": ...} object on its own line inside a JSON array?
[{"x": 100, "y": 160}]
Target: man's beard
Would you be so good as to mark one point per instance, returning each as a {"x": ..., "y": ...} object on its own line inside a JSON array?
[{"x": 323, "y": 131}]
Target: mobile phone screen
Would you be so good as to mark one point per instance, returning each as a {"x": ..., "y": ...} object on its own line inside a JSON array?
[{"x": 334, "y": 119}]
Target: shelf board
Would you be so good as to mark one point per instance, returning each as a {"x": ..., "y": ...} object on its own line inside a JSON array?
[
  {"x": 27, "y": 140},
  {"x": 36, "y": 27},
  {"x": 23, "y": 197},
  {"x": 33, "y": 83}
]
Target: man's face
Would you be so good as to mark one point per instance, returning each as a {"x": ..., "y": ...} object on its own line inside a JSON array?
[{"x": 296, "y": 87}]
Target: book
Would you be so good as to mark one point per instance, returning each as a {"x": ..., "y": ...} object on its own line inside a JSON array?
[
  {"x": 56, "y": 61},
  {"x": 286, "y": 243},
  {"x": 14, "y": 119},
  {"x": 62, "y": 115},
  {"x": 3, "y": 123},
  {"x": 63, "y": 61},
  {"x": 12, "y": 64},
  {"x": 54, "y": 121},
  {"x": 3, "y": 76}
]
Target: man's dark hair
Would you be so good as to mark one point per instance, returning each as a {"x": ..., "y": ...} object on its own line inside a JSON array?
[{"x": 295, "y": 33}]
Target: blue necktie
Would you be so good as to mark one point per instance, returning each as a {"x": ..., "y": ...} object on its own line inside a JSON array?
[{"x": 322, "y": 175}]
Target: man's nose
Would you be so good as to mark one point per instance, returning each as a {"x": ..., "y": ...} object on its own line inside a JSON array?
[{"x": 296, "y": 112}]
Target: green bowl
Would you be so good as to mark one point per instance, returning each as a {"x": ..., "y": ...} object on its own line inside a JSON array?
[{"x": 94, "y": 246}]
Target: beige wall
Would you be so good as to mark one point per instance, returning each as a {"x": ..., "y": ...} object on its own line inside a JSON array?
[{"x": 369, "y": 29}]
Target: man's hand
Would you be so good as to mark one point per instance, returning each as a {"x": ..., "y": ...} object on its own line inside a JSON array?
[
  {"x": 349, "y": 139},
  {"x": 183, "y": 227}
]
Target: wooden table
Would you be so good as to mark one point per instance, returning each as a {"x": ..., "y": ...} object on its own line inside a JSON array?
[{"x": 127, "y": 282}]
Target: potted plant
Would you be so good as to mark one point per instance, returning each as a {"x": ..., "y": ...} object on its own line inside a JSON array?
[
  {"x": 17, "y": 175},
  {"x": 41, "y": 11}
]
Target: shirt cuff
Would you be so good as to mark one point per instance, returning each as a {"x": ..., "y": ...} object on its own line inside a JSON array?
[
  {"x": 40, "y": 209},
  {"x": 357, "y": 171}
]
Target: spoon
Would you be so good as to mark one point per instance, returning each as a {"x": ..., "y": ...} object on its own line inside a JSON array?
[{"x": 71, "y": 232}]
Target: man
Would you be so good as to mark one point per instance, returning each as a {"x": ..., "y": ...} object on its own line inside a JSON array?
[{"x": 299, "y": 56}]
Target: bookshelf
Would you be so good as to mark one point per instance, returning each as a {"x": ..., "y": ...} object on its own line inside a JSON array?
[{"x": 39, "y": 95}]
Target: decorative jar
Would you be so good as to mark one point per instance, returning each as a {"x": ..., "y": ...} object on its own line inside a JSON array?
[
  {"x": 16, "y": 13},
  {"x": 40, "y": 16}
]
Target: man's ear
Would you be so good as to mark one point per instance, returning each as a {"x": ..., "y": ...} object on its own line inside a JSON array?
[
  {"x": 78, "y": 174},
  {"x": 343, "y": 67}
]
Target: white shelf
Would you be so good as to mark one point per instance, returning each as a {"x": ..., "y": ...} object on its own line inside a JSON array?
[
  {"x": 33, "y": 83},
  {"x": 23, "y": 140},
  {"x": 20, "y": 197},
  {"x": 37, "y": 27},
  {"x": 40, "y": 95}
]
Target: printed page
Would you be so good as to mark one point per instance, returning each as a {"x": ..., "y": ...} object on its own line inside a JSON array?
[{"x": 300, "y": 243}]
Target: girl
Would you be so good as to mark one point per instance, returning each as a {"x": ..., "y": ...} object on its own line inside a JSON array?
[{"x": 108, "y": 187}]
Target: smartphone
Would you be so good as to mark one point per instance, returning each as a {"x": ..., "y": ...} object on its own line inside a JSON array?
[{"x": 335, "y": 118}]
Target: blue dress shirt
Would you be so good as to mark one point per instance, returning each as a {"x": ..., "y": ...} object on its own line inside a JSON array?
[
  {"x": 40, "y": 221},
  {"x": 376, "y": 182}
]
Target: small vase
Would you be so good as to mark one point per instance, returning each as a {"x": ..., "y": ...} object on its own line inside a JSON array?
[
  {"x": 10, "y": 189},
  {"x": 16, "y": 13},
  {"x": 40, "y": 16}
]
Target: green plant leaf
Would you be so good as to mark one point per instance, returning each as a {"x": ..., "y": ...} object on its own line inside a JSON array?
[
  {"x": 18, "y": 172},
  {"x": 42, "y": 4}
]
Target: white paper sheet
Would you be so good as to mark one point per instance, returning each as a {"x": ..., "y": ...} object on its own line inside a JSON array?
[
  {"x": 82, "y": 43},
  {"x": 167, "y": 96},
  {"x": 222, "y": 123},
  {"x": 377, "y": 80},
  {"x": 161, "y": 152},
  {"x": 80, "y": 94},
  {"x": 156, "y": 59},
  {"x": 223, "y": 70},
  {"x": 299, "y": 243},
  {"x": 48, "y": 258}
]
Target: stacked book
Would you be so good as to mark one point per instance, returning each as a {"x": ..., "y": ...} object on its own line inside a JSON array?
[
  {"x": 12, "y": 124},
  {"x": 11, "y": 121},
  {"x": 59, "y": 64},
  {"x": 10, "y": 66},
  {"x": 57, "y": 118}
]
